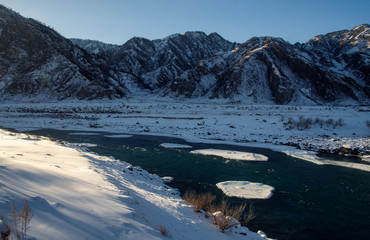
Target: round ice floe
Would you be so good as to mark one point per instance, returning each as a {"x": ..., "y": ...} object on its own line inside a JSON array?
[
  {"x": 246, "y": 189},
  {"x": 229, "y": 154},
  {"x": 167, "y": 179},
  {"x": 174, "y": 145}
]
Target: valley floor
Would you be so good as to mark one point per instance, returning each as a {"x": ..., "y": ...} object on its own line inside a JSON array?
[
  {"x": 311, "y": 128},
  {"x": 76, "y": 194}
]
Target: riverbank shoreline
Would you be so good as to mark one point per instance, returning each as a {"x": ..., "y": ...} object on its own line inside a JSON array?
[
  {"x": 77, "y": 194},
  {"x": 265, "y": 126}
]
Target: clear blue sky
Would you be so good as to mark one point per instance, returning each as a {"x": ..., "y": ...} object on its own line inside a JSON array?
[{"x": 116, "y": 21}]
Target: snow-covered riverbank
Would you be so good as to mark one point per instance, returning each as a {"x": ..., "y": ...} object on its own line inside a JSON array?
[
  {"x": 75, "y": 194},
  {"x": 314, "y": 128}
]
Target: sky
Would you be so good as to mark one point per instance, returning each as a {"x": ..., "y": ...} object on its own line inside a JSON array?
[{"x": 117, "y": 21}]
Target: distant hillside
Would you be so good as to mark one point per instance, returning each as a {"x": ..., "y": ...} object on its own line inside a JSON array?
[{"x": 37, "y": 62}]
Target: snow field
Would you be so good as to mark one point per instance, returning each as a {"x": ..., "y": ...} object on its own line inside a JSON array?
[{"x": 76, "y": 194}]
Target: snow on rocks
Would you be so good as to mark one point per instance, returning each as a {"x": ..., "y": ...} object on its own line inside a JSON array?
[
  {"x": 76, "y": 194},
  {"x": 246, "y": 189},
  {"x": 175, "y": 145},
  {"x": 235, "y": 155}
]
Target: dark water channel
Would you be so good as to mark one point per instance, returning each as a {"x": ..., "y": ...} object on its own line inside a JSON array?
[{"x": 309, "y": 201}]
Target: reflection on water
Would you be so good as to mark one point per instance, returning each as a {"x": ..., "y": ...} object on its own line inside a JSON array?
[{"x": 309, "y": 201}]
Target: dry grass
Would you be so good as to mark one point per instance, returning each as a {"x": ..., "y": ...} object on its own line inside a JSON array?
[
  {"x": 224, "y": 215},
  {"x": 199, "y": 201}
]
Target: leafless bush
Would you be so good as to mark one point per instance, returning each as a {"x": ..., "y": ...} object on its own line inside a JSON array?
[
  {"x": 329, "y": 122},
  {"x": 303, "y": 123},
  {"x": 228, "y": 216},
  {"x": 5, "y": 229},
  {"x": 199, "y": 201},
  {"x": 224, "y": 215},
  {"x": 20, "y": 220}
]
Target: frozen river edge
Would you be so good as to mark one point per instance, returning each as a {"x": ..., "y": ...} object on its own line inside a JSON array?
[{"x": 248, "y": 125}]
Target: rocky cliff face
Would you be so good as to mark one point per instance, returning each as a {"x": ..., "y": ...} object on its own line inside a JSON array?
[
  {"x": 329, "y": 68},
  {"x": 35, "y": 60},
  {"x": 333, "y": 68},
  {"x": 154, "y": 64}
]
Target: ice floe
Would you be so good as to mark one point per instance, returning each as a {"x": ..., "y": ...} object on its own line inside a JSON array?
[
  {"x": 84, "y": 133},
  {"x": 167, "y": 179},
  {"x": 246, "y": 189},
  {"x": 85, "y": 144},
  {"x": 174, "y": 145},
  {"x": 229, "y": 154},
  {"x": 119, "y": 136}
]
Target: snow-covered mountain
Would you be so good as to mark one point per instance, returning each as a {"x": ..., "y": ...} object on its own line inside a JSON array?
[
  {"x": 154, "y": 64},
  {"x": 36, "y": 60},
  {"x": 328, "y": 69}
]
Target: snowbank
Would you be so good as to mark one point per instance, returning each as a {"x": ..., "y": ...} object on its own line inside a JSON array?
[
  {"x": 245, "y": 189},
  {"x": 229, "y": 154},
  {"x": 175, "y": 145},
  {"x": 76, "y": 194},
  {"x": 310, "y": 156}
]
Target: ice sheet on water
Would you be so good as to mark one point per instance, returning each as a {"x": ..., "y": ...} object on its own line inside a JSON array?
[
  {"x": 230, "y": 154},
  {"x": 246, "y": 189},
  {"x": 84, "y": 133},
  {"x": 118, "y": 136},
  {"x": 174, "y": 145}
]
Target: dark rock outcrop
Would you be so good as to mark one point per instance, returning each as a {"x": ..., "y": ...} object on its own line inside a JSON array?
[{"x": 35, "y": 60}]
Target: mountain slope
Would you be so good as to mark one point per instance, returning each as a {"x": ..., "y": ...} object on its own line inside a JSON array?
[
  {"x": 35, "y": 60},
  {"x": 153, "y": 64},
  {"x": 327, "y": 68}
]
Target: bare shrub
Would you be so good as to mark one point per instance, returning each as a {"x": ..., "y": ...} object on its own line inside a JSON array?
[
  {"x": 199, "y": 201},
  {"x": 15, "y": 222},
  {"x": 20, "y": 220},
  {"x": 228, "y": 216},
  {"x": 339, "y": 123},
  {"x": 303, "y": 123},
  {"x": 329, "y": 122},
  {"x": 224, "y": 215},
  {"x": 5, "y": 229},
  {"x": 163, "y": 230}
]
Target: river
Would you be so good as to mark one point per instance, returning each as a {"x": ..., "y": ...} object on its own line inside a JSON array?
[{"x": 309, "y": 201}]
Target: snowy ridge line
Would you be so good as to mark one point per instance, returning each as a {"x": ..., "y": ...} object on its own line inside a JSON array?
[{"x": 77, "y": 194}]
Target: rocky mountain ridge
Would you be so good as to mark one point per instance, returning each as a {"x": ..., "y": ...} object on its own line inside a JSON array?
[{"x": 36, "y": 61}]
